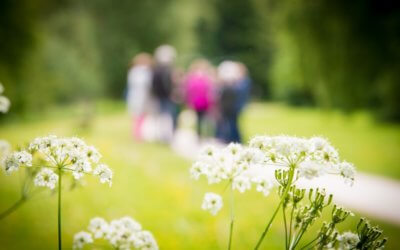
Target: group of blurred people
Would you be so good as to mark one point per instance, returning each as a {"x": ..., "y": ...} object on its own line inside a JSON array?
[{"x": 165, "y": 100}]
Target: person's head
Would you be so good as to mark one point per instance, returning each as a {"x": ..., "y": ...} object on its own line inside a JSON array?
[
  {"x": 200, "y": 65},
  {"x": 165, "y": 54},
  {"x": 142, "y": 59},
  {"x": 228, "y": 72}
]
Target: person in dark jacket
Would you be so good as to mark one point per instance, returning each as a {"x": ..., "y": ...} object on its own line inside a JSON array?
[
  {"x": 162, "y": 84},
  {"x": 234, "y": 93}
]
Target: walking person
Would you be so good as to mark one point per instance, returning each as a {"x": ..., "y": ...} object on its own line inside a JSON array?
[
  {"x": 162, "y": 86},
  {"x": 138, "y": 96},
  {"x": 199, "y": 92},
  {"x": 229, "y": 99}
]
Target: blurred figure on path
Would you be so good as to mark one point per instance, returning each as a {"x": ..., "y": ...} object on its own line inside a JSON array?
[
  {"x": 243, "y": 87},
  {"x": 162, "y": 86},
  {"x": 139, "y": 85},
  {"x": 199, "y": 92},
  {"x": 233, "y": 94}
]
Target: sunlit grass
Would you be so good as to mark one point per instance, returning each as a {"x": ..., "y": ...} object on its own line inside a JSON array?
[{"x": 152, "y": 184}]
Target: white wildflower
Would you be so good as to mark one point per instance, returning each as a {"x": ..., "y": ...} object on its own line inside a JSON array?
[
  {"x": 327, "y": 155},
  {"x": 80, "y": 168},
  {"x": 347, "y": 171},
  {"x": 130, "y": 224},
  {"x": 347, "y": 240},
  {"x": 71, "y": 155},
  {"x": 234, "y": 150},
  {"x": 99, "y": 227},
  {"x": 197, "y": 169},
  {"x": 23, "y": 158},
  {"x": 82, "y": 238},
  {"x": 93, "y": 154},
  {"x": 212, "y": 202},
  {"x": 252, "y": 156},
  {"x": 208, "y": 152},
  {"x": 17, "y": 159},
  {"x": 144, "y": 240},
  {"x": 263, "y": 185},
  {"x": 241, "y": 183},
  {"x": 11, "y": 164},
  {"x": 123, "y": 233},
  {"x": 46, "y": 178},
  {"x": 259, "y": 142},
  {"x": 105, "y": 173},
  {"x": 318, "y": 143},
  {"x": 311, "y": 170},
  {"x": 4, "y": 104},
  {"x": 5, "y": 150}
]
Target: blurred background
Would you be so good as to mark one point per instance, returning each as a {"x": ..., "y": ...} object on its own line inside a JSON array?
[
  {"x": 328, "y": 68},
  {"x": 328, "y": 54}
]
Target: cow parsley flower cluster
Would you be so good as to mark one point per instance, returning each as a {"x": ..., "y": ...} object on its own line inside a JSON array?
[
  {"x": 123, "y": 233},
  {"x": 281, "y": 161},
  {"x": 233, "y": 163},
  {"x": 4, "y": 101},
  {"x": 312, "y": 158},
  {"x": 56, "y": 155},
  {"x": 347, "y": 240}
]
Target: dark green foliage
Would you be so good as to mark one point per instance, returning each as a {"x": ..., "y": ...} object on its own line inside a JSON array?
[{"x": 340, "y": 53}]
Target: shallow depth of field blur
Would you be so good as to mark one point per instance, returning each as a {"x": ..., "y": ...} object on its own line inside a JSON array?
[{"x": 329, "y": 68}]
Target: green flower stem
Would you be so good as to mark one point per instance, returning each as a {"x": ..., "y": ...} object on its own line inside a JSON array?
[
  {"x": 309, "y": 243},
  {"x": 59, "y": 207},
  {"x": 14, "y": 207},
  {"x": 232, "y": 219},
  {"x": 291, "y": 175},
  {"x": 24, "y": 198},
  {"x": 290, "y": 224},
  {"x": 286, "y": 230},
  {"x": 299, "y": 236}
]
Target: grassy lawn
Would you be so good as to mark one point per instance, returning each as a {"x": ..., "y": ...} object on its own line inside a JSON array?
[{"x": 152, "y": 184}]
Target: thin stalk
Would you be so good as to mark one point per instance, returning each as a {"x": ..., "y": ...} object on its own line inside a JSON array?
[
  {"x": 298, "y": 238},
  {"x": 14, "y": 207},
  {"x": 309, "y": 243},
  {"x": 59, "y": 208},
  {"x": 286, "y": 230},
  {"x": 232, "y": 220},
  {"x": 21, "y": 201},
  {"x": 291, "y": 174},
  {"x": 290, "y": 224}
]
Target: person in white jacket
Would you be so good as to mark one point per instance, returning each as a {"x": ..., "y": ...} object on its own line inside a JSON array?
[{"x": 140, "y": 77}]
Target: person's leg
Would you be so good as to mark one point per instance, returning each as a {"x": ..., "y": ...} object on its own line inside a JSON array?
[
  {"x": 219, "y": 132},
  {"x": 199, "y": 122},
  {"x": 235, "y": 129}
]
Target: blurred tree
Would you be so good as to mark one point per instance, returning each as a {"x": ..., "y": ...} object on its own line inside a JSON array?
[
  {"x": 237, "y": 32},
  {"x": 342, "y": 54},
  {"x": 125, "y": 29}
]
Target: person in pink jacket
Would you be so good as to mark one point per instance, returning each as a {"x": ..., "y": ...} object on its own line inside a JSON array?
[{"x": 199, "y": 91}]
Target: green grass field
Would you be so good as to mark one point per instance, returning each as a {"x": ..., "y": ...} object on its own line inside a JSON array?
[{"x": 152, "y": 184}]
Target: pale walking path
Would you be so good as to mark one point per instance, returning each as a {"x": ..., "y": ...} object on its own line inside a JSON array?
[
  {"x": 372, "y": 195},
  {"x": 375, "y": 196}
]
